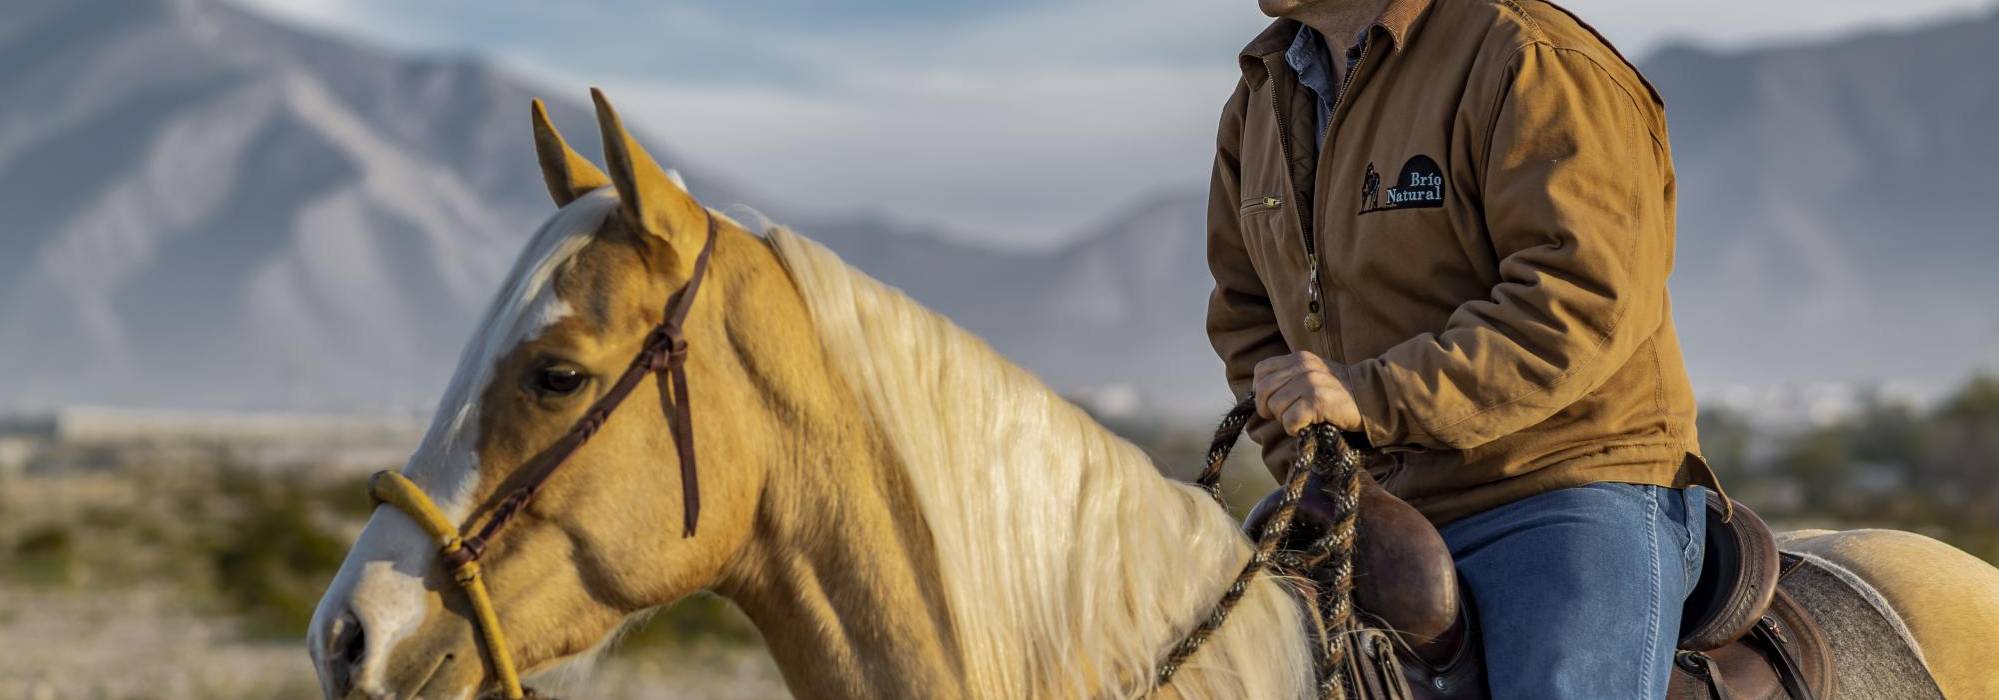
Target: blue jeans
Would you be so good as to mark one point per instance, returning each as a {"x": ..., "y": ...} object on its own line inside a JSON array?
[{"x": 1579, "y": 590}]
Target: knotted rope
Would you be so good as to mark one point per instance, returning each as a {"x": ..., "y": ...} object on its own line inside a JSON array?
[{"x": 1322, "y": 452}]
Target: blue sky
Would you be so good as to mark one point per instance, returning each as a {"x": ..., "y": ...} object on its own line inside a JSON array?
[{"x": 1016, "y": 123}]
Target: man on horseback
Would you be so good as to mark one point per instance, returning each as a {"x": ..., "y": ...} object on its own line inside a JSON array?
[{"x": 1445, "y": 226}]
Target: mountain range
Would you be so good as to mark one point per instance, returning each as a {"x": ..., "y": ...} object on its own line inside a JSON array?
[
  {"x": 208, "y": 209},
  {"x": 1837, "y": 212}
]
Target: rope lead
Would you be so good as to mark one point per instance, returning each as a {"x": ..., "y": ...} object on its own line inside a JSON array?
[{"x": 1323, "y": 452}]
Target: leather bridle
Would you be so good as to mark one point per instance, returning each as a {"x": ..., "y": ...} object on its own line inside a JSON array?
[{"x": 663, "y": 355}]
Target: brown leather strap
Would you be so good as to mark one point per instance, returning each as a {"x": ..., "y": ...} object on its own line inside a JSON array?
[
  {"x": 1783, "y": 657},
  {"x": 664, "y": 355},
  {"x": 1702, "y": 669}
]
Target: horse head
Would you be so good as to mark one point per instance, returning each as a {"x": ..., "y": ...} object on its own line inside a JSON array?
[{"x": 584, "y": 554}]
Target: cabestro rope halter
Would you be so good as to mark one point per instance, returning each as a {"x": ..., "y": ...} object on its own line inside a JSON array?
[{"x": 664, "y": 355}]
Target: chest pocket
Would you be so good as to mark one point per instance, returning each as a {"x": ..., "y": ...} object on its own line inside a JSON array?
[
  {"x": 1261, "y": 206},
  {"x": 1268, "y": 210},
  {"x": 1266, "y": 222}
]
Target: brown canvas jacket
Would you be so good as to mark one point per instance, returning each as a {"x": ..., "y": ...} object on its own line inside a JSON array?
[{"x": 1492, "y": 221}]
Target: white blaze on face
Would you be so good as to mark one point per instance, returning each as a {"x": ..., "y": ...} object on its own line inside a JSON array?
[{"x": 381, "y": 582}]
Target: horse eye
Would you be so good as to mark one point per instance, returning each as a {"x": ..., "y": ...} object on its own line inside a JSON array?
[{"x": 556, "y": 380}]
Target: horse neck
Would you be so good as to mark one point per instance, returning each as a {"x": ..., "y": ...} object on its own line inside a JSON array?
[
  {"x": 839, "y": 585},
  {"x": 842, "y": 589},
  {"x": 850, "y": 590},
  {"x": 970, "y": 534}
]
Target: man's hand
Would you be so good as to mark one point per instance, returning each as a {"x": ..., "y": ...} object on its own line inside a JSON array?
[{"x": 1298, "y": 390}]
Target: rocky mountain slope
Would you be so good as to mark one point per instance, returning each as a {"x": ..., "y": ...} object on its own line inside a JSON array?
[{"x": 204, "y": 208}]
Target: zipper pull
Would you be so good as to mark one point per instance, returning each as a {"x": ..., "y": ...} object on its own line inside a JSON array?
[
  {"x": 1272, "y": 203},
  {"x": 1315, "y": 318}
]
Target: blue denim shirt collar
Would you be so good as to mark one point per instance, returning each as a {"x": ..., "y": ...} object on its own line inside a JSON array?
[{"x": 1308, "y": 57}]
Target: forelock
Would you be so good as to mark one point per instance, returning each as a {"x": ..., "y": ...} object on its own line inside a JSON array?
[{"x": 526, "y": 304}]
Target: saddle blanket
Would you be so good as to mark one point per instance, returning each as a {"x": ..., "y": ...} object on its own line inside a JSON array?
[{"x": 1874, "y": 656}]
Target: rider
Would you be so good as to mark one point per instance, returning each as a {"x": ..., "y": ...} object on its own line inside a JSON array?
[{"x": 1445, "y": 227}]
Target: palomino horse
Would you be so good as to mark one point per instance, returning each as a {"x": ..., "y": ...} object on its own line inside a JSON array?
[{"x": 900, "y": 511}]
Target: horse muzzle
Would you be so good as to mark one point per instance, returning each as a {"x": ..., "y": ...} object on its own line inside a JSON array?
[{"x": 345, "y": 644}]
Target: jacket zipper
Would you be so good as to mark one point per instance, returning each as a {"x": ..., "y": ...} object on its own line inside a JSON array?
[
  {"x": 1347, "y": 84},
  {"x": 1332, "y": 121},
  {"x": 1315, "y": 318}
]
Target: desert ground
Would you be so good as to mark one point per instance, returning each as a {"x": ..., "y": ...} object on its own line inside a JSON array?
[{"x": 145, "y": 583}]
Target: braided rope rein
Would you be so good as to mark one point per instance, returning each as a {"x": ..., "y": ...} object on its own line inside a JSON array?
[
  {"x": 1336, "y": 607},
  {"x": 1322, "y": 452}
]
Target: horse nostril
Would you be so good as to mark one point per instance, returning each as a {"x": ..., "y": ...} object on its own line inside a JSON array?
[{"x": 346, "y": 643}]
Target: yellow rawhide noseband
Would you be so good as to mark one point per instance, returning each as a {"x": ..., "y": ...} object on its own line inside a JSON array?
[
  {"x": 396, "y": 490},
  {"x": 664, "y": 355}
]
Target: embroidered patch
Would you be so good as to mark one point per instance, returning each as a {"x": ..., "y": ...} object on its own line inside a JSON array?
[{"x": 1420, "y": 186}]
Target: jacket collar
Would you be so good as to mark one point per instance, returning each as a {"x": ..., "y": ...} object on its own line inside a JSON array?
[{"x": 1398, "y": 18}]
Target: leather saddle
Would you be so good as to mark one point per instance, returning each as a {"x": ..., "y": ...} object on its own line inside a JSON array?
[{"x": 1741, "y": 636}]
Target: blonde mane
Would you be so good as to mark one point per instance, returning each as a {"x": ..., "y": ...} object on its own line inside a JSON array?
[{"x": 1070, "y": 565}]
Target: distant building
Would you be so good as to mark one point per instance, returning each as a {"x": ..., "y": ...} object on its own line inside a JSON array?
[
  {"x": 96, "y": 436},
  {"x": 97, "y": 424},
  {"x": 15, "y": 452}
]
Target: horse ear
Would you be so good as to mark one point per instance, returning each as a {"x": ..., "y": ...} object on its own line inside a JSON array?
[
  {"x": 568, "y": 174},
  {"x": 648, "y": 196}
]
